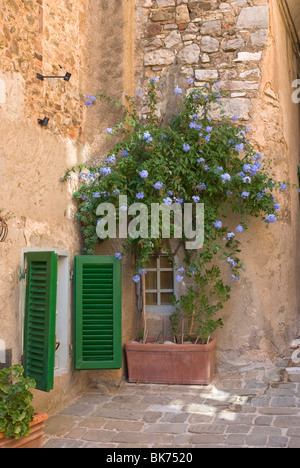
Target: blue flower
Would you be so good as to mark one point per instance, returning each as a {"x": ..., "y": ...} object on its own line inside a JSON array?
[
  {"x": 142, "y": 272},
  {"x": 235, "y": 118},
  {"x": 125, "y": 153},
  {"x": 186, "y": 147},
  {"x": 90, "y": 100},
  {"x": 191, "y": 81},
  {"x": 118, "y": 256},
  {"x": 276, "y": 206},
  {"x": 181, "y": 270},
  {"x": 111, "y": 159},
  {"x": 235, "y": 278},
  {"x": 201, "y": 160},
  {"x": 245, "y": 194},
  {"x": 229, "y": 192},
  {"x": 239, "y": 147},
  {"x": 247, "y": 179},
  {"x": 225, "y": 177},
  {"x": 147, "y": 137},
  {"x": 168, "y": 201},
  {"x": 96, "y": 195},
  {"x": 231, "y": 261},
  {"x": 109, "y": 130},
  {"x": 209, "y": 129},
  {"x": 178, "y": 90},
  {"x": 195, "y": 126},
  {"x": 196, "y": 199},
  {"x": 179, "y": 279},
  {"x": 230, "y": 235},
  {"x": 105, "y": 170},
  {"x": 140, "y": 195},
  {"x": 271, "y": 219},
  {"x": 136, "y": 279},
  {"x": 218, "y": 224},
  {"x": 153, "y": 80},
  {"x": 247, "y": 167},
  {"x": 158, "y": 185},
  {"x": 144, "y": 174},
  {"x": 201, "y": 186},
  {"x": 283, "y": 187},
  {"x": 239, "y": 228}
]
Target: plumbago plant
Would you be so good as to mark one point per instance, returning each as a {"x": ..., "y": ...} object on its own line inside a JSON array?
[{"x": 191, "y": 159}]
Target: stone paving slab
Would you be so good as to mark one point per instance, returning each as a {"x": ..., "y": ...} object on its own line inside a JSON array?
[{"x": 257, "y": 408}]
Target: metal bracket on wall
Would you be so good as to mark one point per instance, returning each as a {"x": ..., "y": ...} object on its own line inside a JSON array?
[{"x": 65, "y": 78}]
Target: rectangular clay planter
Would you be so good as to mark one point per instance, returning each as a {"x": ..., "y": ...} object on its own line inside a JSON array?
[
  {"x": 33, "y": 440},
  {"x": 185, "y": 364}
]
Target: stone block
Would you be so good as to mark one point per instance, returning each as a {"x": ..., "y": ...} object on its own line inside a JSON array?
[
  {"x": 197, "y": 8},
  {"x": 159, "y": 57},
  {"x": 259, "y": 38},
  {"x": 209, "y": 44},
  {"x": 161, "y": 16},
  {"x": 248, "y": 56},
  {"x": 172, "y": 39},
  {"x": 233, "y": 44},
  {"x": 211, "y": 27},
  {"x": 240, "y": 107},
  {"x": 189, "y": 54},
  {"x": 165, "y": 3},
  {"x": 182, "y": 14},
  {"x": 206, "y": 75},
  {"x": 253, "y": 18}
]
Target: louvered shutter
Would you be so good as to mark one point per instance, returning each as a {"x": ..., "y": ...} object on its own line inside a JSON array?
[
  {"x": 98, "y": 342},
  {"x": 40, "y": 315}
]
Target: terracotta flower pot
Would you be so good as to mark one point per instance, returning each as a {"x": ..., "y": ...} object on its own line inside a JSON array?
[
  {"x": 33, "y": 440},
  {"x": 185, "y": 364}
]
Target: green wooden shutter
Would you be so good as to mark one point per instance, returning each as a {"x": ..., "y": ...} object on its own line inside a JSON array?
[
  {"x": 98, "y": 342},
  {"x": 40, "y": 315}
]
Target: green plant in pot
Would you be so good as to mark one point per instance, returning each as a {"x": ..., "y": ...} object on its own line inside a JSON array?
[
  {"x": 197, "y": 157},
  {"x": 194, "y": 319},
  {"x": 16, "y": 411}
]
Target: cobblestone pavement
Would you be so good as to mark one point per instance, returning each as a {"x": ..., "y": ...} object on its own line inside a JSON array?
[{"x": 256, "y": 408}]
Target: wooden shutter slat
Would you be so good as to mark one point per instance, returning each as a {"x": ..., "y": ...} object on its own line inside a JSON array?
[
  {"x": 97, "y": 313},
  {"x": 40, "y": 315}
]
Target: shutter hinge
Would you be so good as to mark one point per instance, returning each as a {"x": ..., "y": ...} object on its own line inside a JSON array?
[{"x": 23, "y": 274}]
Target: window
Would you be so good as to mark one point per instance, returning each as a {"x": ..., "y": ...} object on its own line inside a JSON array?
[{"x": 160, "y": 285}]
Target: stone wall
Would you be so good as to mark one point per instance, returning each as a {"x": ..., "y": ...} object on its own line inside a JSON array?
[
  {"x": 207, "y": 40},
  {"x": 47, "y": 38}
]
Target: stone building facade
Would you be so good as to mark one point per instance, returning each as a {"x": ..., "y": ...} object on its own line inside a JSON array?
[{"x": 251, "y": 47}]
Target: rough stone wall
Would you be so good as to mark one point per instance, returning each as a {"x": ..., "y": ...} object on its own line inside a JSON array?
[
  {"x": 47, "y": 38},
  {"x": 207, "y": 40}
]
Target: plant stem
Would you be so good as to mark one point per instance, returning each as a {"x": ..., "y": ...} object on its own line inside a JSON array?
[{"x": 144, "y": 308}]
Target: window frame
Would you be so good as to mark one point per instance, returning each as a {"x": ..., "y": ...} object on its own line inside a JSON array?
[{"x": 161, "y": 308}]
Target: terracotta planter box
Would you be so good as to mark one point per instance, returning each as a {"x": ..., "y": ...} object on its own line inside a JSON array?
[
  {"x": 171, "y": 363},
  {"x": 33, "y": 440}
]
